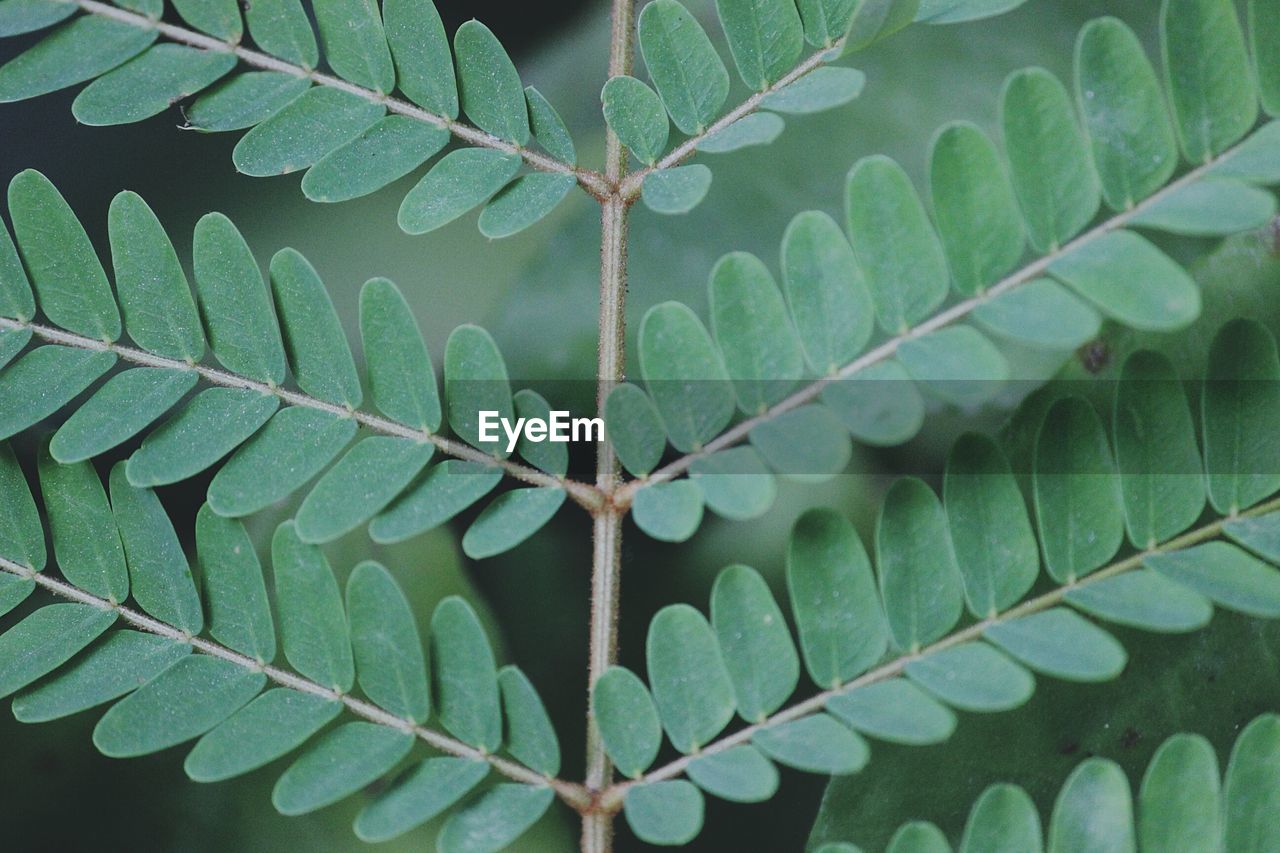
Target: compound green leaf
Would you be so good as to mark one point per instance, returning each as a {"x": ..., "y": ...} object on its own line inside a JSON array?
[
  {"x": 895, "y": 244},
  {"x": 814, "y": 744},
  {"x": 1143, "y": 599},
  {"x": 973, "y": 677},
  {"x": 150, "y": 84},
  {"x": 1041, "y": 314},
  {"x": 282, "y": 28},
  {"x": 895, "y": 711},
  {"x": 530, "y": 739},
  {"x": 359, "y": 485},
  {"x": 421, "y": 793},
  {"x": 43, "y": 381},
  {"x": 206, "y": 689},
  {"x": 685, "y": 375},
  {"x": 218, "y": 18},
  {"x": 1060, "y": 643},
  {"x": 1211, "y": 85},
  {"x": 526, "y": 201},
  {"x": 447, "y": 489},
  {"x": 320, "y": 120},
  {"x": 512, "y": 518},
  {"x": 235, "y": 592},
  {"x": 124, "y": 406},
  {"x": 318, "y": 353},
  {"x": 676, "y": 190},
  {"x": 691, "y": 687},
  {"x": 355, "y": 45},
  {"x": 1003, "y": 819},
  {"x": 422, "y": 57},
  {"x": 21, "y": 534},
  {"x": 666, "y": 813},
  {"x": 1179, "y": 804},
  {"x": 495, "y": 820},
  {"x": 754, "y": 640},
  {"x": 1093, "y": 811},
  {"x": 735, "y": 483},
  {"x": 466, "y": 685},
  {"x": 740, "y": 774},
  {"x": 384, "y": 638},
  {"x": 492, "y": 94},
  {"x": 121, "y": 663},
  {"x": 459, "y": 181},
  {"x": 26, "y": 16},
  {"x": 1212, "y": 207},
  {"x": 159, "y": 575},
  {"x": 313, "y": 628},
  {"x": 383, "y": 153},
  {"x": 271, "y": 726},
  {"x": 342, "y": 762},
  {"x": 402, "y": 380},
  {"x": 821, "y": 89},
  {"x": 957, "y": 363},
  {"x": 635, "y": 429},
  {"x": 47, "y": 639},
  {"x": 752, "y": 129},
  {"x": 85, "y": 540},
  {"x": 765, "y": 38},
  {"x": 82, "y": 50},
  {"x": 686, "y": 70},
  {"x": 1224, "y": 574},
  {"x": 549, "y": 129},
  {"x": 1252, "y": 787},
  {"x": 628, "y": 720},
  {"x": 807, "y": 444},
  {"x": 635, "y": 113},
  {"x": 880, "y": 405},
  {"x": 244, "y": 100},
  {"x": 1052, "y": 175}
]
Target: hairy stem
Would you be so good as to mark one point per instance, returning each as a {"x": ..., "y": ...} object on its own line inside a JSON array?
[
  {"x": 570, "y": 792},
  {"x": 612, "y": 799},
  {"x": 582, "y": 493}
]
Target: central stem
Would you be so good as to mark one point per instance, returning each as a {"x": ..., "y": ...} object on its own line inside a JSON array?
[{"x": 606, "y": 558}]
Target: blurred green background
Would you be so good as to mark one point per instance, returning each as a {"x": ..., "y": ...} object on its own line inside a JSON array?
[{"x": 537, "y": 293}]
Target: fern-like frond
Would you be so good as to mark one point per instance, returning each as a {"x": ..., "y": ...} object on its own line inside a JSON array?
[
  {"x": 346, "y": 127},
  {"x": 885, "y": 647},
  {"x": 1183, "y": 803},
  {"x": 901, "y": 297},
  {"x": 279, "y": 436},
  {"x": 185, "y": 664}
]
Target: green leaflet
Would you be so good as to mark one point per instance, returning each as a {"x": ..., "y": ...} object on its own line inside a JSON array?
[
  {"x": 475, "y": 380},
  {"x": 512, "y": 518},
  {"x": 1225, "y": 575},
  {"x": 825, "y": 21},
  {"x": 918, "y": 837},
  {"x": 814, "y": 744},
  {"x": 1255, "y": 160},
  {"x": 740, "y": 774},
  {"x": 974, "y": 207},
  {"x": 1207, "y": 71},
  {"x": 420, "y": 794},
  {"x": 1124, "y": 113},
  {"x": 754, "y": 641},
  {"x": 159, "y": 311},
  {"x": 459, "y": 181},
  {"x": 13, "y": 341},
  {"x": 1260, "y": 534},
  {"x": 635, "y": 429},
  {"x": 531, "y": 739},
  {"x": 676, "y": 190},
  {"x": 1094, "y": 810},
  {"x": 207, "y": 429},
  {"x": 244, "y": 100},
  {"x": 1178, "y": 804},
  {"x": 685, "y": 375},
  {"x": 629, "y": 726},
  {"x": 524, "y": 202},
  {"x": 218, "y": 18},
  {"x": 1143, "y": 599},
  {"x": 402, "y": 380},
  {"x": 973, "y": 677},
  {"x": 340, "y": 763},
  {"x": 424, "y": 64},
  {"x": 1161, "y": 479},
  {"x": 235, "y": 592},
  {"x": 271, "y": 726},
  {"x": 318, "y": 353},
  {"x": 686, "y": 70},
  {"x": 919, "y": 579},
  {"x": 765, "y": 38},
  {"x": 753, "y": 129},
  {"x": 1076, "y": 492},
  {"x": 894, "y": 243},
  {"x": 21, "y": 534},
  {"x": 957, "y": 363},
  {"x": 874, "y": 20},
  {"x": 43, "y": 381},
  {"x": 1041, "y": 314},
  {"x": 313, "y": 628},
  {"x": 635, "y": 113},
  {"x": 208, "y": 689},
  {"x": 667, "y": 813},
  {"x": 123, "y": 661},
  {"x": 1251, "y": 789},
  {"x": 85, "y": 540},
  {"x": 1241, "y": 396},
  {"x": 466, "y": 686},
  {"x": 552, "y": 457},
  {"x": 383, "y": 153},
  {"x": 385, "y": 641},
  {"x": 446, "y": 490},
  {"x": 838, "y": 640},
  {"x": 355, "y": 45},
  {"x": 79, "y": 51},
  {"x": 13, "y": 591},
  {"x": 25, "y": 16},
  {"x": 691, "y": 686},
  {"x": 958, "y": 11},
  {"x": 760, "y": 349},
  {"x": 295, "y": 445},
  {"x": 489, "y": 85},
  {"x": 820, "y": 89},
  {"x": 1053, "y": 178},
  {"x": 1264, "y": 33},
  {"x": 159, "y": 575},
  {"x": 1003, "y": 818},
  {"x": 68, "y": 278},
  {"x": 16, "y": 300},
  {"x": 1211, "y": 207},
  {"x": 359, "y": 485},
  {"x": 47, "y": 639},
  {"x": 494, "y": 820},
  {"x": 549, "y": 129},
  {"x": 735, "y": 483},
  {"x": 320, "y": 120},
  {"x": 281, "y": 28},
  {"x": 234, "y": 302},
  {"x": 1059, "y": 643},
  {"x": 150, "y": 84},
  {"x": 895, "y": 711},
  {"x": 879, "y": 405},
  {"x": 995, "y": 549},
  {"x": 805, "y": 444}
]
